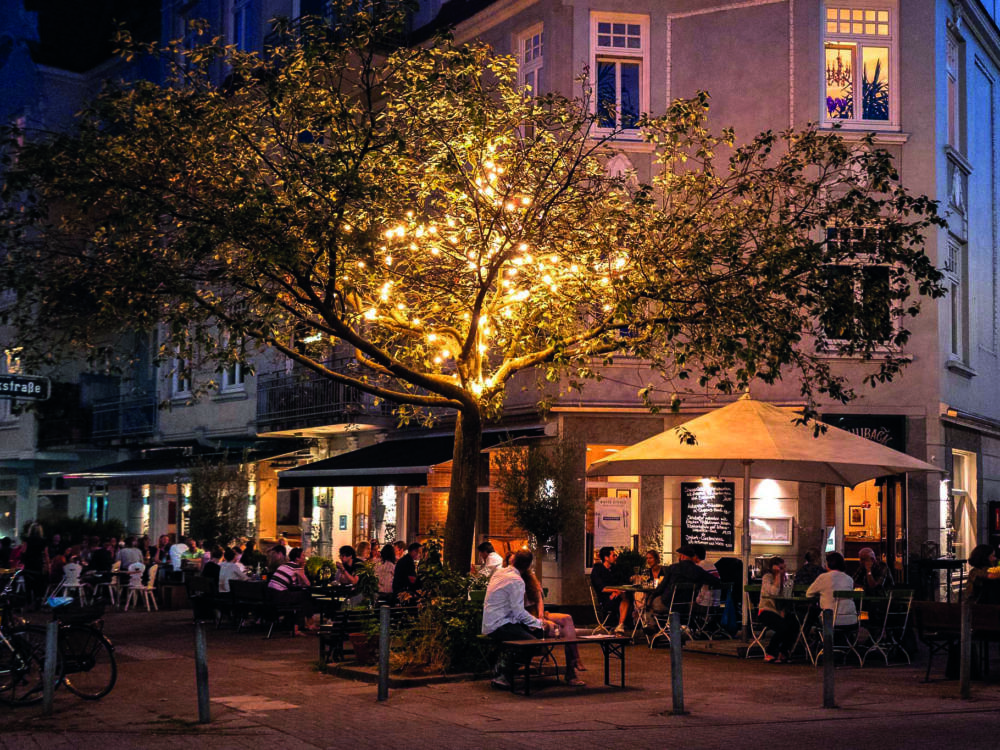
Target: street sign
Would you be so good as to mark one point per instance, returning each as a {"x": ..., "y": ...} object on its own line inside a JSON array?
[{"x": 24, "y": 387}]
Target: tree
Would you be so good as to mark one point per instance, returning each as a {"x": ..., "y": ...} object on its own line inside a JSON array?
[
  {"x": 219, "y": 500},
  {"x": 415, "y": 207}
]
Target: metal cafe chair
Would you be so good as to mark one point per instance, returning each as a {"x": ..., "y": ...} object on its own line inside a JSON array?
[
  {"x": 755, "y": 628},
  {"x": 682, "y": 603},
  {"x": 887, "y": 636},
  {"x": 601, "y": 616},
  {"x": 845, "y": 637}
]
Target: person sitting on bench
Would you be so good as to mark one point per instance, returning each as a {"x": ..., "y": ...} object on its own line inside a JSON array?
[{"x": 504, "y": 615}]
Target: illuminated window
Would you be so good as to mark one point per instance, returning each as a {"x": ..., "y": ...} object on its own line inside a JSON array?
[
  {"x": 860, "y": 57},
  {"x": 620, "y": 45}
]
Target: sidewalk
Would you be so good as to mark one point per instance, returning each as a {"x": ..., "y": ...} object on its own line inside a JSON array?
[{"x": 270, "y": 693}]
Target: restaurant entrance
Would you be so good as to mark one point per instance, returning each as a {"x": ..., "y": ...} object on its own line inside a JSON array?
[{"x": 874, "y": 516}]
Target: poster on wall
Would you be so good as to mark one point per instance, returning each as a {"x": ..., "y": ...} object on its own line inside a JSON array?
[
  {"x": 708, "y": 514},
  {"x": 612, "y": 522}
]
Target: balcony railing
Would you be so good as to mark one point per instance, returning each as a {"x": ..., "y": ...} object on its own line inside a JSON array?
[
  {"x": 306, "y": 399},
  {"x": 124, "y": 418}
]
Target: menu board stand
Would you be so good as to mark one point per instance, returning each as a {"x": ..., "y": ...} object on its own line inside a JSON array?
[{"x": 708, "y": 514}]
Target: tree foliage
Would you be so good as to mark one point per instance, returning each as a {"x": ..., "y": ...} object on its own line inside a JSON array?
[
  {"x": 414, "y": 207},
  {"x": 541, "y": 487},
  {"x": 219, "y": 500}
]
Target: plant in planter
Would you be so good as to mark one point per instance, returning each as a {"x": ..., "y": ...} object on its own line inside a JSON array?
[
  {"x": 320, "y": 570},
  {"x": 442, "y": 637}
]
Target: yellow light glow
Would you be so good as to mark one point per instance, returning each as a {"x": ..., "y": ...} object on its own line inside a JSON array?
[{"x": 371, "y": 314}]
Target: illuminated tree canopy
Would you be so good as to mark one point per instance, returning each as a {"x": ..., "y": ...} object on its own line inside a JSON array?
[{"x": 415, "y": 207}]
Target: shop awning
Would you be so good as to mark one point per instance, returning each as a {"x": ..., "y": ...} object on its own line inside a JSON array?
[
  {"x": 174, "y": 463},
  {"x": 400, "y": 462}
]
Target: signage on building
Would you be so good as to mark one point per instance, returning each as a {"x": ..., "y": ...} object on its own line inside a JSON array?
[
  {"x": 24, "y": 387},
  {"x": 708, "y": 514},
  {"x": 612, "y": 522},
  {"x": 887, "y": 429}
]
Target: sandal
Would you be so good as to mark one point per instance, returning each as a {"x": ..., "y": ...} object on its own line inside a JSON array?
[
  {"x": 578, "y": 666},
  {"x": 576, "y": 682}
]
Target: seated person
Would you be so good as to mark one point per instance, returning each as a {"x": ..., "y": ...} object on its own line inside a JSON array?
[
  {"x": 211, "y": 568},
  {"x": 872, "y": 576},
  {"x": 811, "y": 569},
  {"x": 289, "y": 575},
  {"x": 504, "y": 615},
  {"x": 835, "y": 579},
  {"x": 654, "y": 571},
  {"x": 981, "y": 585},
  {"x": 685, "y": 570},
  {"x": 776, "y": 618},
  {"x": 404, "y": 577},
  {"x": 347, "y": 573},
  {"x": 489, "y": 560},
  {"x": 230, "y": 570},
  {"x": 601, "y": 576},
  {"x": 534, "y": 602},
  {"x": 707, "y": 596}
]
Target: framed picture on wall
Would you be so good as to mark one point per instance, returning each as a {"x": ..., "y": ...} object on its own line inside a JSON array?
[
  {"x": 857, "y": 516},
  {"x": 774, "y": 530}
]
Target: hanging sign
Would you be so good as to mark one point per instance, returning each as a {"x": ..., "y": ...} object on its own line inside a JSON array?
[{"x": 708, "y": 514}]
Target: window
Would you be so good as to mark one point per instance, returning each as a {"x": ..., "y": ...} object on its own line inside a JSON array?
[
  {"x": 860, "y": 56},
  {"x": 857, "y": 294},
  {"x": 530, "y": 48},
  {"x": 180, "y": 377},
  {"x": 620, "y": 45},
  {"x": 233, "y": 375},
  {"x": 954, "y": 273},
  {"x": 952, "y": 70},
  {"x": 241, "y": 25}
]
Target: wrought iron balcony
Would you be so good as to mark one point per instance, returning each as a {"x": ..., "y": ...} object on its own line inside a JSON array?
[
  {"x": 124, "y": 418},
  {"x": 305, "y": 399}
]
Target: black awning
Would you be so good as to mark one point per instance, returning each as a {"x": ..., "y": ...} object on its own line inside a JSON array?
[
  {"x": 173, "y": 463},
  {"x": 402, "y": 462}
]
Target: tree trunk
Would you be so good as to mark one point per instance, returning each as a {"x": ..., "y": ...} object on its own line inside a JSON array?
[{"x": 462, "y": 498}]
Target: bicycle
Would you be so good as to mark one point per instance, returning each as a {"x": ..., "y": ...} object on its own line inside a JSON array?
[
  {"x": 85, "y": 658},
  {"x": 22, "y": 661}
]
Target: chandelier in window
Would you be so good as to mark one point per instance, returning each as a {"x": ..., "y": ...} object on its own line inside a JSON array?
[{"x": 837, "y": 73}]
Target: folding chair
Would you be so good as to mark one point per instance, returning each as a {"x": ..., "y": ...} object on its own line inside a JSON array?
[
  {"x": 601, "y": 616},
  {"x": 845, "y": 637},
  {"x": 888, "y": 639},
  {"x": 682, "y": 600},
  {"x": 111, "y": 585},
  {"x": 145, "y": 592},
  {"x": 756, "y": 628},
  {"x": 707, "y": 622}
]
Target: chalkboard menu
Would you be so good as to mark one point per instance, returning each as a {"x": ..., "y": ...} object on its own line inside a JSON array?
[{"x": 708, "y": 514}]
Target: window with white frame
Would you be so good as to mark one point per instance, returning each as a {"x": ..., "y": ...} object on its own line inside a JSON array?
[
  {"x": 619, "y": 68},
  {"x": 860, "y": 47},
  {"x": 530, "y": 55},
  {"x": 180, "y": 376},
  {"x": 857, "y": 293},
  {"x": 953, "y": 72},
  {"x": 955, "y": 279},
  {"x": 233, "y": 375}
]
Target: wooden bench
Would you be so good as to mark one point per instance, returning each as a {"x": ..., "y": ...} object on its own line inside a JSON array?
[
  {"x": 332, "y": 636},
  {"x": 525, "y": 651}
]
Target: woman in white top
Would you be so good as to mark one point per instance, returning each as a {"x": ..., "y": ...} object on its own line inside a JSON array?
[
  {"x": 774, "y": 617},
  {"x": 835, "y": 579},
  {"x": 385, "y": 568}
]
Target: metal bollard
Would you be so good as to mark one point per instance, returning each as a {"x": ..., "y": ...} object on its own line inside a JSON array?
[
  {"x": 383, "y": 653},
  {"x": 676, "y": 669},
  {"x": 965, "y": 650},
  {"x": 829, "y": 660},
  {"x": 201, "y": 672},
  {"x": 49, "y": 668}
]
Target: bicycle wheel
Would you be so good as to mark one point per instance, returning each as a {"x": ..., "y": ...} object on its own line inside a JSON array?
[
  {"x": 21, "y": 668},
  {"x": 88, "y": 658}
]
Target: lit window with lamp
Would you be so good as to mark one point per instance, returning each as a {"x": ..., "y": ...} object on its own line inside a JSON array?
[{"x": 860, "y": 47}]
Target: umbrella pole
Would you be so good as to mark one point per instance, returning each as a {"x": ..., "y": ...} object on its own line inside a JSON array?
[{"x": 745, "y": 547}]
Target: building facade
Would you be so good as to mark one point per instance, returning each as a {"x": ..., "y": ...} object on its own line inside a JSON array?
[{"x": 922, "y": 76}]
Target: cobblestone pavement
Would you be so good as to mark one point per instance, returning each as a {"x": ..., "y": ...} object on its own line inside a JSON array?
[{"x": 269, "y": 693}]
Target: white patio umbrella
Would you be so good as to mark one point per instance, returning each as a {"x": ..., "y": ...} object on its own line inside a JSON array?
[{"x": 754, "y": 437}]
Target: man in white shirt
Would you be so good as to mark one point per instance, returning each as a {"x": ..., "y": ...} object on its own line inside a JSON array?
[
  {"x": 835, "y": 579},
  {"x": 230, "y": 570},
  {"x": 176, "y": 552},
  {"x": 504, "y": 615},
  {"x": 489, "y": 560}
]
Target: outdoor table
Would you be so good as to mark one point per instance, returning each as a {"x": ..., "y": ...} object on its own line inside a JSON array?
[
  {"x": 798, "y": 606},
  {"x": 639, "y": 602},
  {"x": 613, "y": 646}
]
